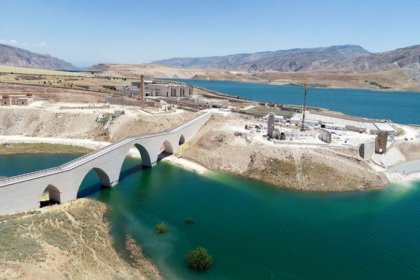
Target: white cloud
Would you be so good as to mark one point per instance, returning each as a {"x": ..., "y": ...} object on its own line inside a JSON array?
[
  {"x": 42, "y": 45},
  {"x": 9, "y": 42}
]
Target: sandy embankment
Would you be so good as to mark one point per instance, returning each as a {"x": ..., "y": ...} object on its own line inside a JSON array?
[
  {"x": 187, "y": 164},
  {"x": 68, "y": 241},
  {"x": 86, "y": 143}
]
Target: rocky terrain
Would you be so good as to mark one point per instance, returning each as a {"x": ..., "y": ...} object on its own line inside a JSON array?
[
  {"x": 13, "y": 56},
  {"x": 282, "y": 60},
  {"x": 86, "y": 124},
  {"x": 69, "y": 241},
  {"x": 299, "y": 167}
]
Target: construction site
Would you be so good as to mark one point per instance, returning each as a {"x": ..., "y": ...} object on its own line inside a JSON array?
[{"x": 92, "y": 107}]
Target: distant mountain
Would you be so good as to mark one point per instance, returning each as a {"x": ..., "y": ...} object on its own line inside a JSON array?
[
  {"x": 282, "y": 60},
  {"x": 13, "y": 56},
  {"x": 404, "y": 58},
  {"x": 343, "y": 58}
]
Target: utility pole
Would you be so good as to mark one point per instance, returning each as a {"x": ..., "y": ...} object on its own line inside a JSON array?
[
  {"x": 122, "y": 97},
  {"x": 305, "y": 87},
  {"x": 142, "y": 91}
]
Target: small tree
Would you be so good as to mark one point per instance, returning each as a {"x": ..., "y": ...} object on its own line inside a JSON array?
[
  {"x": 161, "y": 228},
  {"x": 199, "y": 259}
]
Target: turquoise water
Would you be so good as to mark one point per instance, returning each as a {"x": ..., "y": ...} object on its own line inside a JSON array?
[
  {"x": 258, "y": 232},
  {"x": 400, "y": 107}
]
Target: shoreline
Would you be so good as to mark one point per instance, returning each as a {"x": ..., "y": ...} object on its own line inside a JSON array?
[
  {"x": 294, "y": 85},
  {"x": 187, "y": 164},
  {"x": 86, "y": 143},
  {"x": 394, "y": 177}
]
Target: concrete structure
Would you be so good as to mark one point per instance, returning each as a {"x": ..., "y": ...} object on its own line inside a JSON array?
[
  {"x": 345, "y": 122},
  {"x": 23, "y": 192},
  {"x": 161, "y": 89},
  {"x": 297, "y": 120},
  {"x": 169, "y": 90},
  {"x": 385, "y": 127},
  {"x": 333, "y": 126},
  {"x": 142, "y": 91},
  {"x": 325, "y": 135},
  {"x": 367, "y": 150},
  {"x": 277, "y": 118},
  {"x": 381, "y": 142},
  {"x": 270, "y": 125},
  {"x": 19, "y": 100}
]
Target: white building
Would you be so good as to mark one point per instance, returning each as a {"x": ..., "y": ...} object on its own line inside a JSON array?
[
  {"x": 19, "y": 100},
  {"x": 333, "y": 126},
  {"x": 168, "y": 90}
]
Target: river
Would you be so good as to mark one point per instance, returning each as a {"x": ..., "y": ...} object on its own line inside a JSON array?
[
  {"x": 254, "y": 231},
  {"x": 400, "y": 107}
]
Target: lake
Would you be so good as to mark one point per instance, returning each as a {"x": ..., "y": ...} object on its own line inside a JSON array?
[
  {"x": 254, "y": 231},
  {"x": 400, "y": 107}
]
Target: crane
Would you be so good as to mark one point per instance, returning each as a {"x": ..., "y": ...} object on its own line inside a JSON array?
[{"x": 305, "y": 87}]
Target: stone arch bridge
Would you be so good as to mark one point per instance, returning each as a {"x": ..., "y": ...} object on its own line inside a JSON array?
[{"x": 23, "y": 192}]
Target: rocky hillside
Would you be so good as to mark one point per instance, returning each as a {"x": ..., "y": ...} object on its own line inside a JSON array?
[
  {"x": 12, "y": 56},
  {"x": 345, "y": 58},
  {"x": 282, "y": 60},
  {"x": 405, "y": 58}
]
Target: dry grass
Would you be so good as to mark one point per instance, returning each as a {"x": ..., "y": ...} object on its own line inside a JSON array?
[
  {"x": 67, "y": 241},
  {"x": 41, "y": 148},
  {"x": 24, "y": 70}
]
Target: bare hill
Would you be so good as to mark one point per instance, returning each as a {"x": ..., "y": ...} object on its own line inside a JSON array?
[
  {"x": 344, "y": 58},
  {"x": 13, "y": 56},
  {"x": 281, "y": 60}
]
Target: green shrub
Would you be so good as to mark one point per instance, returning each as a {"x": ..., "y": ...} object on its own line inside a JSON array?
[
  {"x": 199, "y": 259},
  {"x": 189, "y": 221},
  {"x": 161, "y": 228}
]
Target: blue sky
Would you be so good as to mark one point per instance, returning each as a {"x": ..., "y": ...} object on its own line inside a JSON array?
[{"x": 127, "y": 31}]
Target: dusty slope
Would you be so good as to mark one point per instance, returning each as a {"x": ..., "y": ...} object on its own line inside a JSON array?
[
  {"x": 93, "y": 124},
  {"x": 69, "y": 241},
  {"x": 288, "y": 166},
  {"x": 411, "y": 151}
]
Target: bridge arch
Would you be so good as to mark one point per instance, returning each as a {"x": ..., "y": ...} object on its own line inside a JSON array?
[
  {"x": 167, "y": 147},
  {"x": 104, "y": 181},
  {"x": 51, "y": 195},
  {"x": 103, "y": 177},
  {"x": 144, "y": 154},
  {"x": 181, "y": 140},
  {"x": 129, "y": 167}
]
